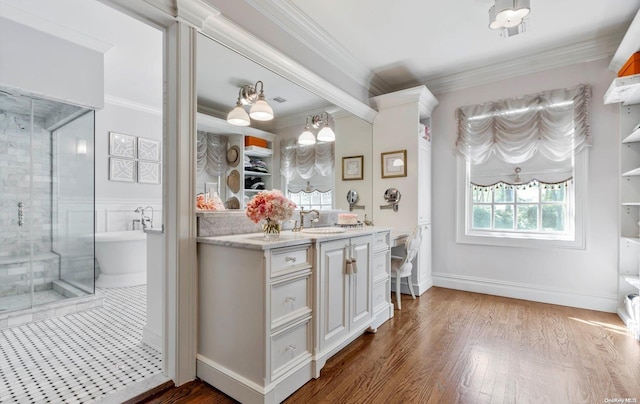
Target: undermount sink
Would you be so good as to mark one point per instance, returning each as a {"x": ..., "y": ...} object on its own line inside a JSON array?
[{"x": 323, "y": 230}]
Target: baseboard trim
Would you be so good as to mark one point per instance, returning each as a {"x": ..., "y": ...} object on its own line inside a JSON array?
[
  {"x": 526, "y": 292},
  {"x": 418, "y": 289},
  {"x": 151, "y": 338}
]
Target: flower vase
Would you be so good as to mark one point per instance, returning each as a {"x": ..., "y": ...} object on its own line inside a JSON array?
[{"x": 271, "y": 229}]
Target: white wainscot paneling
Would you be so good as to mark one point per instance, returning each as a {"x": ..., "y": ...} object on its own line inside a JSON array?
[{"x": 119, "y": 214}]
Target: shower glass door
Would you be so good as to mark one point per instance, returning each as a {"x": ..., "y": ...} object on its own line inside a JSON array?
[
  {"x": 46, "y": 201},
  {"x": 15, "y": 193}
]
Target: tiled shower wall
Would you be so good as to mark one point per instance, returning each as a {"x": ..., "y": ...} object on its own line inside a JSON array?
[{"x": 17, "y": 148}]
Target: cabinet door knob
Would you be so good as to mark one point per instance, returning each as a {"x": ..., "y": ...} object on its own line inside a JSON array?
[
  {"x": 290, "y": 299},
  {"x": 290, "y": 259},
  {"x": 291, "y": 347}
]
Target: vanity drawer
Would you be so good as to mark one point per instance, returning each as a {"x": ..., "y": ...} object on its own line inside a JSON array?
[
  {"x": 381, "y": 296},
  {"x": 290, "y": 298},
  {"x": 290, "y": 259},
  {"x": 381, "y": 240},
  {"x": 290, "y": 346},
  {"x": 381, "y": 265}
]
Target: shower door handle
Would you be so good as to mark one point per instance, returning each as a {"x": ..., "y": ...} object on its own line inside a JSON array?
[{"x": 20, "y": 214}]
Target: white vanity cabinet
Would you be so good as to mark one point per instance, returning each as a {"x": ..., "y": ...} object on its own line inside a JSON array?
[
  {"x": 255, "y": 336},
  {"x": 381, "y": 278},
  {"x": 343, "y": 302}
]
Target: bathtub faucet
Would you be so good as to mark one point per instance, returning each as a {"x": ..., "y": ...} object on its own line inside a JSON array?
[{"x": 144, "y": 219}]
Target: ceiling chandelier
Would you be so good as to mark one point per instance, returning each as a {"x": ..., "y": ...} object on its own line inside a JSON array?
[
  {"x": 508, "y": 16},
  {"x": 260, "y": 109}
]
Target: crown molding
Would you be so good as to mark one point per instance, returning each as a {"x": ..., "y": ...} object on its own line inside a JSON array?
[
  {"x": 123, "y": 102},
  {"x": 629, "y": 45},
  {"x": 52, "y": 28},
  {"x": 231, "y": 35},
  {"x": 578, "y": 52},
  {"x": 419, "y": 95},
  {"x": 298, "y": 24},
  {"x": 195, "y": 12}
]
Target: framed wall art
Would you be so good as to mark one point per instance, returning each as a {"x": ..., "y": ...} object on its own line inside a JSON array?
[
  {"x": 148, "y": 172},
  {"x": 148, "y": 149},
  {"x": 352, "y": 168},
  {"x": 394, "y": 164},
  {"x": 122, "y": 145},
  {"x": 122, "y": 170}
]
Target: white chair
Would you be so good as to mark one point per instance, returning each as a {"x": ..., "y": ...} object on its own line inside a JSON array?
[{"x": 401, "y": 267}]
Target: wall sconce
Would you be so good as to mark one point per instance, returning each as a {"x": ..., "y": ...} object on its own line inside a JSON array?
[
  {"x": 81, "y": 147},
  {"x": 508, "y": 16},
  {"x": 326, "y": 134},
  {"x": 260, "y": 109}
]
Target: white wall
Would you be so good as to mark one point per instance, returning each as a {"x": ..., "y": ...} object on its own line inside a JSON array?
[
  {"x": 115, "y": 201},
  {"x": 582, "y": 278},
  {"x": 45, "y": 65}
]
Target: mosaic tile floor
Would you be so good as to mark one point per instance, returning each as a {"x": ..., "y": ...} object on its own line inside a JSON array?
[{"x": 81, "y": 357}]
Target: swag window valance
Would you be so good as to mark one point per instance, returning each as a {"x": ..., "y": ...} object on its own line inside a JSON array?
[
  {"x": 303, "y": 165},
  {"x": 520, "y": 140},
  {"x": 211, "y": 154}
]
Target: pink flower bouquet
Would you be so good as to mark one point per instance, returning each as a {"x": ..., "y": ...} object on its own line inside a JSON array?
[{"x": 272, "y": 205}]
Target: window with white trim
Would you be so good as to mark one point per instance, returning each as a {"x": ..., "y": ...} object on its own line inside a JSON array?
[{"x": 523, "y": 169}]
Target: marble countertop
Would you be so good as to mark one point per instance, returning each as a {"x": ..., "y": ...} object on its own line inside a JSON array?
[{"x": 287, "y": 238}]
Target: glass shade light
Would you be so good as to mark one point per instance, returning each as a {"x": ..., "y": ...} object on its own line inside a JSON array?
[
  {"x": 238, "y": 116},
  {"x": 508, "y": 13},
  {"x": 326, "y": 135},
  {"x": 261, "y": 111},
  {"x": 306, "y": 137}
]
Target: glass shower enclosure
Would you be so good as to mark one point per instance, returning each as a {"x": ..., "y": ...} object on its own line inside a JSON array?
[{"x": 46, "y": 201}]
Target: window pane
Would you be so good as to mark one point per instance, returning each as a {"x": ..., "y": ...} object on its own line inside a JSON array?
[
  {"x": 527, "y": 217},
  {"x": 482, "y": 195},
  {"x": 503, "y": 195},
  {"x": 503, "y": 217},
  {"x": 528, "y": 194},
  {"x": 553, "y": 195},
  {"x": 481, "y": 217},
  {"x": 553, "y": 217}
]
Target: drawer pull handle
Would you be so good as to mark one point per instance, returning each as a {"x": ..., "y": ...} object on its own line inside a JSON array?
[
  {"x": 291, "y": 347},
  {"x": 290, "y": 259},
  {"x": 290, "y": 299}
]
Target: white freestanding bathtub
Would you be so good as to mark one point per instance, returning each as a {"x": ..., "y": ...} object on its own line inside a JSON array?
[{"x": 122, "y": 257}]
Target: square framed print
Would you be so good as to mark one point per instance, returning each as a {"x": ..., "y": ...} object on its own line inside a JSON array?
[
  {"x": 148, "y": 172},
  {"x": 122, "y": 145},
  {"x": 148, "y": 149},
  {"x": 352, "y": 168},
  {"x": 122, "y": 170},
  {"x": 394, "y": 164}
]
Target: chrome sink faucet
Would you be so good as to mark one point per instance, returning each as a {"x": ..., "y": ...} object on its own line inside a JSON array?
[{"x": 302, "y": 214}]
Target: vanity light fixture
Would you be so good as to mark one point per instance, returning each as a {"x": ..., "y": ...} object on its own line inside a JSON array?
[
  {"x": 508, "y": 16},
  {"x": 306, "y": 137},
  {"x": 260, "y": 109},
  {"x": 326, "y": 134}
]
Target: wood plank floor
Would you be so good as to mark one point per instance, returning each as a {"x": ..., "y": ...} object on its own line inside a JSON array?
[{"x": 458, "y": 347}]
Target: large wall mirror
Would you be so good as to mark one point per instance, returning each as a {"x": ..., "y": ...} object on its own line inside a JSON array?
[{"x": 236, "y": 162}]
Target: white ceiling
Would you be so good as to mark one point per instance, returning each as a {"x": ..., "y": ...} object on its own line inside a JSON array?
[
  {"x": 378, "y": 44},
  {"x": 431, "y": 38},
  {"x": 388, "y": 46}
]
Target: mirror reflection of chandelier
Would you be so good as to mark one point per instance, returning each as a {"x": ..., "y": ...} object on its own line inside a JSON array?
[
  {"x": 509, "y": 16},
  {"x": 326, "y": 134},
  {"x": 260, "y": 109}
]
